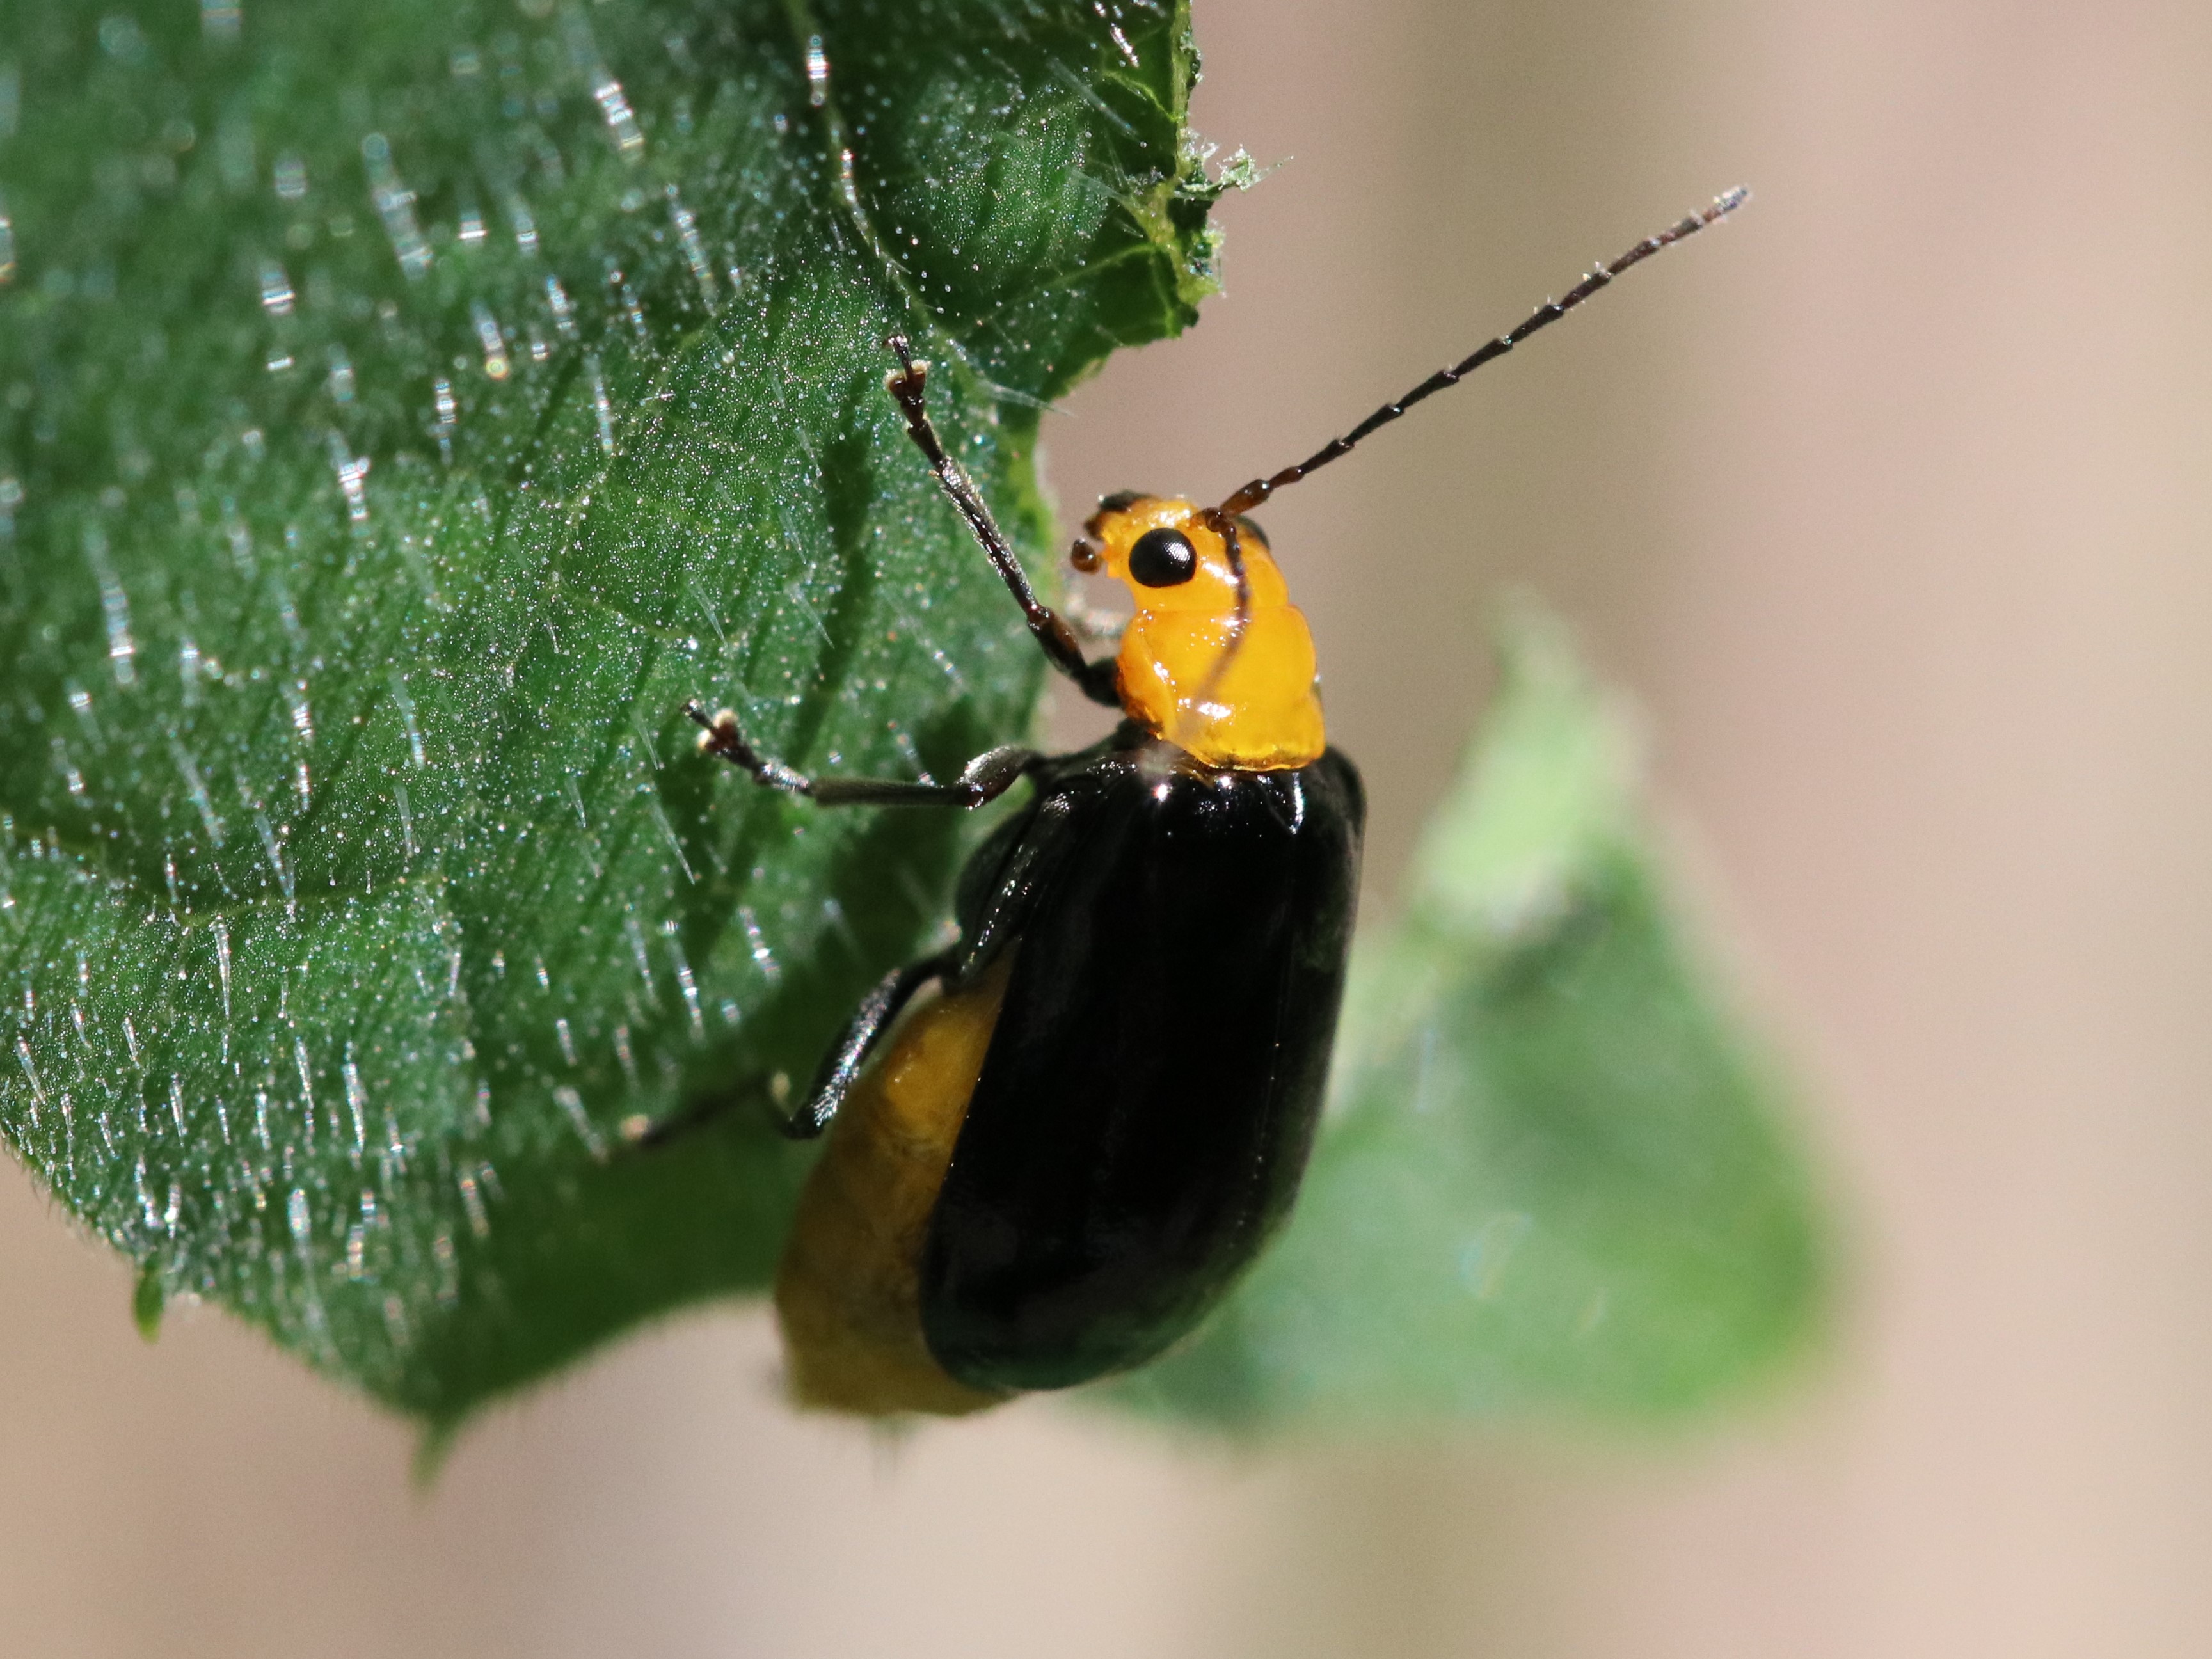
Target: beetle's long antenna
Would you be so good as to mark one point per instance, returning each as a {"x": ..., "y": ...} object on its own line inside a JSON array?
[
  {"x": 1232, "y": 544},
  {"x": 1550, "y": 311}
]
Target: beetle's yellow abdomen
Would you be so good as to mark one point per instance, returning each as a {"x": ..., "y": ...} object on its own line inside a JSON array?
[
  {"x": 847, "y": 1293},
  {"x": 1234, "y": 685}
]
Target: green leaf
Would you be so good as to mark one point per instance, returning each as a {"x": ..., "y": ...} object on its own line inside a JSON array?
[
  {"x": 403, "y": 410},
  {"x": 1556, "y": 1179}
]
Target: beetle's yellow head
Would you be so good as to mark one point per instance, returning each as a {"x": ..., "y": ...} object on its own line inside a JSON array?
[{"x": 1217, "y": 659}]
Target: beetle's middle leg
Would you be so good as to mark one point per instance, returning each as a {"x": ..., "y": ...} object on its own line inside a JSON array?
[{"x": 982, "y": 780}]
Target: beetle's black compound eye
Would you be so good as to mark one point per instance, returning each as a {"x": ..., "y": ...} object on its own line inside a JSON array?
[{"x": 1163, "y": 558}]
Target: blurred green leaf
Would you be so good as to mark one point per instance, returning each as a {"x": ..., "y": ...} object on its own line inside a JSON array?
[
  {"x": 404, "y": 409},
  {"x": 1557, "y": 1177}
]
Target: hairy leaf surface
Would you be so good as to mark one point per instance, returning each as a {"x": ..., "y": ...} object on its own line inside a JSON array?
[{"x": 403, "y": 410}]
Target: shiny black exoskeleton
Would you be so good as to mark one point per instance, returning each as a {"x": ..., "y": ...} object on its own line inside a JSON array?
[{"x": 1153, "y": 1081}]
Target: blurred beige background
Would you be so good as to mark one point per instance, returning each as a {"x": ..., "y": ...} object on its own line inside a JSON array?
[{"x": 1890, "y": 504}]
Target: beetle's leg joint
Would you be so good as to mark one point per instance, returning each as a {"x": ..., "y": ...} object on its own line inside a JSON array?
[
  {"x": 994, "y": 771},
  {"x": 1101, "y": 682}
]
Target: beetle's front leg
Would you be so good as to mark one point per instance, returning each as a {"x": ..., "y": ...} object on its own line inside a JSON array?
[
  {"x": 1098, "y": 679},
  {"x": 983, "y": 780}
]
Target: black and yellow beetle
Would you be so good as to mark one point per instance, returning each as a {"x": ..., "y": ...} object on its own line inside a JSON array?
[{"x": 1053, "y": 1170}]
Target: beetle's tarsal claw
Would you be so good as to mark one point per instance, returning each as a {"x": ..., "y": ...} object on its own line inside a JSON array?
[
  {"x": 913, "y": 372},
  {"x": 718, "y": 735}
]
